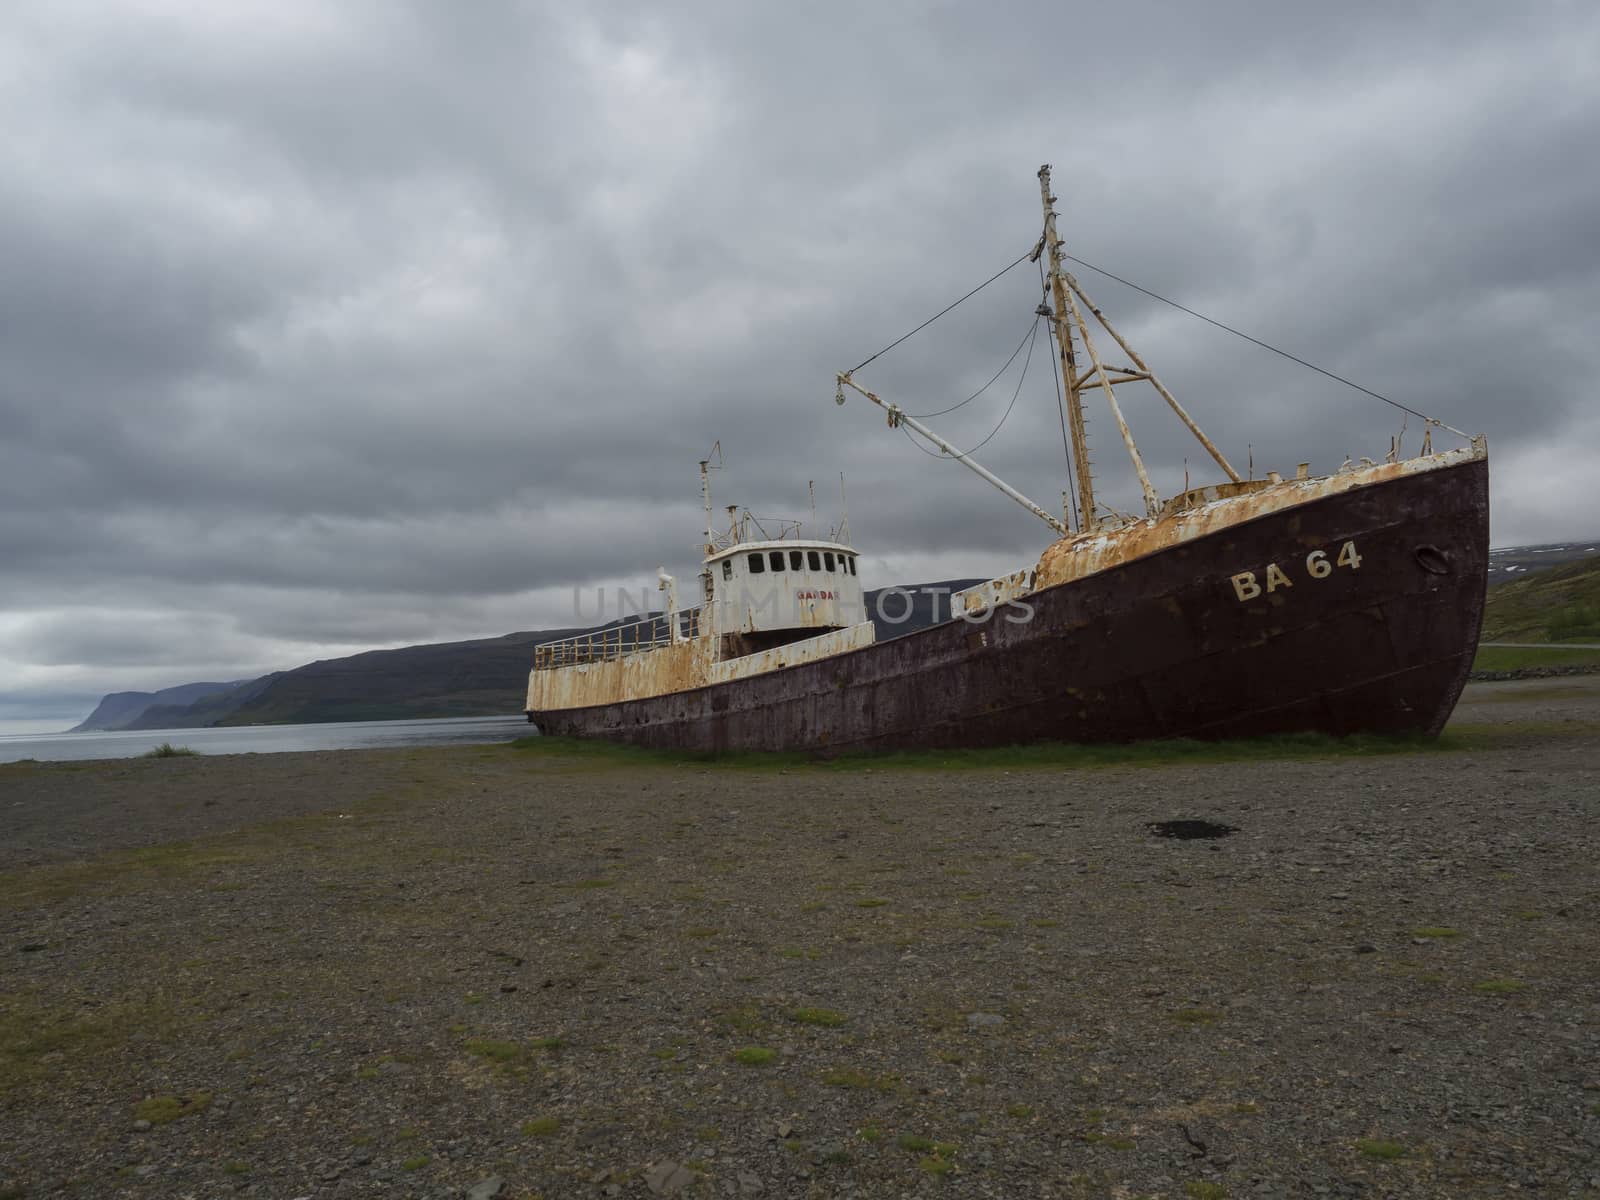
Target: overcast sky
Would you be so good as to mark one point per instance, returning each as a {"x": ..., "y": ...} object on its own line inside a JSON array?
[{"x": 333, "y": 326}]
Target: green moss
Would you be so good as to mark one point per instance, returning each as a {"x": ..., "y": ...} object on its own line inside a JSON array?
[
  {"x": 871, "y": 902},
  {"x": 934, "y": 1165},
  {"x": 541, "y": 1126},
  {"x": 500, "y": 1052},
  {"x": 1194, "y": 1016},
  {"x": 922, "y": 1145},
  {"x": 1380, "y": 1148},
  {"x": 163, "y": 1110},
  {"x": 849, "y": 1077},
  {"x": 415, "y": 1164},
  {"x": 1436, "y": 931},
  {"x": 754, "y": 1056},
  {"x": 36, "y": 1040},
  {"x": 818, "y": 1016},
  {"x": 1500, "y": 987},
  {"x": 1199, "y": 1189}
]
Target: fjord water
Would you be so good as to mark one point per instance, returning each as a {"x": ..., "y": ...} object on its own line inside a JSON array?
[{"x": 265, "y": 739}]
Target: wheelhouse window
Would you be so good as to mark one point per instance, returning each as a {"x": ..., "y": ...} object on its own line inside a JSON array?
[
  {"x": 795, "y": 560},
  {"x": 758, "y": 564},
  {"x": 775, "y": 560},
  {"x": 850, "y": 563},
  {"x": 727, "y": 568},
  {"x": 813, "y": 560},
  {"x": 827, "y": 560}
]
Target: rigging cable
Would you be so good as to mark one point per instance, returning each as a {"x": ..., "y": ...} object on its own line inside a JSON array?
[
  {"x": 1061, "y": 408},
  {"x": 938, "y": 314},
  {"x": 1265, "y": 346},
  {"x": 987, "y": 386},
  {"x": 1032, "y": 337}
]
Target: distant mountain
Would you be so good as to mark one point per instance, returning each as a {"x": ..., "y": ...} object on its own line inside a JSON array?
[
  {"x": 209, "y": 709},
  {"x": 1509, "y": 562},
  {"x": 449, "y": 679},
  {"x": 120, "y": 710},
  {"x": 1561, "y": 604}
]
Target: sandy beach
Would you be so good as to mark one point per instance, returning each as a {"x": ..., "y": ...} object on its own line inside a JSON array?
[{"x": 491, "y": 971}]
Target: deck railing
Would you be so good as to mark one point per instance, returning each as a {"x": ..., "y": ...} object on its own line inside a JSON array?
[{"x": 611, "y": 641}]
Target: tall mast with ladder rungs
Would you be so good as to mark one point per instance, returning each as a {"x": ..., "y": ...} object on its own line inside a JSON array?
[{"x": 1061, "y": 322}]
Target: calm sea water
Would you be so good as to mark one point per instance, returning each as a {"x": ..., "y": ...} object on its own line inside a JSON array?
[{"x": 266, "y": 739}]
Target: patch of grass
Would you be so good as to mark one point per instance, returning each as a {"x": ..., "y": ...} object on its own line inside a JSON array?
[
  {"x": 1500, "y": 987},
  {"x": 1019, "y": 1111},
  {"x": 546, "y": 1043},
  {"x": 163, "y": 1110},
  {"x": 1194, "y": 1016},
  {"x": 871, "y": 902},
  {"x": 871, "y": 1133},
  {"x": 541, "y": 1126},
  {"x": 168, "y": 750},
  {"x": 1046, "y": 923},
  {"x": 37, "y": 1040},
  {"x": 1522, "y": 658},
  {"x": 1380, "y": 1148},
  {"x": 1199, "y": 1189},
  {"x": 995, "y": 923},
  {"x": 1436, "y": 931},
  {"x": 849, "y": 1077},
  {"x": 701, "y": 931},
  {"x": 500, "y": 1052},
  {"x": 818, "y": 1016},
  {"x": 745, "y": 1018},
  {"x": 1048, "y": 754},
  {"x": 922, "y": 1145},
  {"x": 236, "y": 1168},
  {"x": 415, "y": 1164},
  {"x": 754, "y": 1056},
  {"x": 934, "y": 1165}
]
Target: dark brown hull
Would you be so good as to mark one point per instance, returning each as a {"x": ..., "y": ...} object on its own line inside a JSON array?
[{"x": 1159, "y": 647}]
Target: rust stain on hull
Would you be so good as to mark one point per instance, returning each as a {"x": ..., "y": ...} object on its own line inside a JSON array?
[{"x": 1166, "y": 641}]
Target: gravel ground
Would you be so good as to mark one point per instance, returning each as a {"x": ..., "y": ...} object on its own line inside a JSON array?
[{"x": 483, "y": 971}]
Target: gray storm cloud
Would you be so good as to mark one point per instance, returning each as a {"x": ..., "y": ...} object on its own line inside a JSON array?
[{"x": 325, "y": 327}]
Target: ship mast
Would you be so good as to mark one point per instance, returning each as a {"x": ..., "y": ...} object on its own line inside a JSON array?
[
  {"x": 1066, "y": 292},
  {"x": 1068, "y": 324},
  {"x": 1069, "y": 364}
]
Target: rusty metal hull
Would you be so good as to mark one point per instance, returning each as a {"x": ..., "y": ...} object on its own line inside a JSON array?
[{"x": 1172, "y": 644}]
